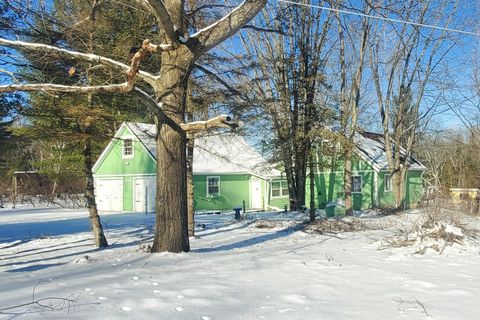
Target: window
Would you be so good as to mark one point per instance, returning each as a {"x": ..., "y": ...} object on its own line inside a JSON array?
[
  {"x": 279, "y": 189},
  {"x": 357, "y": 184},
  {"x": 127, "y": 148},
  {"x": 213, "y": 186},
  {"x": 387, "y": 182}
]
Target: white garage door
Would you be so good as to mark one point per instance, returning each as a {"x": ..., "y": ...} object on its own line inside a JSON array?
[
  {"x": 109, "y": 194},
  {"x": 145, "y": 192}
]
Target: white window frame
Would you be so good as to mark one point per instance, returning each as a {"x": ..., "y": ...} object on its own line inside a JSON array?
[
  {"x": 282, "y": 195},
  {"x": 128, "y": 156},
  {"x": 385, "y": 182},
  {"x": 361, "y": 183},
  {"x": 214, "y": 194}
]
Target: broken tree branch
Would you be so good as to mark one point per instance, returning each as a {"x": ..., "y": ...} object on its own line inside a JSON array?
[{"x": 222, "y": 121}]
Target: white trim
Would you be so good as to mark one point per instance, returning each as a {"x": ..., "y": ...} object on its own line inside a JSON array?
[
  {"x": 353, "y": 171},
  {"x": 361, "y": 184},
  {"x": 123, "y": 175},
  {"x": 107, "y": 150},
  {"x": 128, "y": 137},
  {"x": 229, "y": 173},
  {"x": 366, "y": 159},
  {"x": 281, "y": 193},
  {"x": 385, "y": 185},
  {"x": 217, "y": 194},
  {"x": 141, "y": 142},
  {"x": 375, "y": 188}
]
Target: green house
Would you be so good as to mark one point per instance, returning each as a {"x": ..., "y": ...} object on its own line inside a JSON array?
[
  {"x": 227, "y": 172},
  {"x": 371, "y": 179}
]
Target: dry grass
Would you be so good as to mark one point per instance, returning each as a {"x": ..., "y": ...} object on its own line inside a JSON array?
[{"x": 347, "y": 224}]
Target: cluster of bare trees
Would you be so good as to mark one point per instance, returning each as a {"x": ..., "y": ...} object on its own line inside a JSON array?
[
  {"x": 316, "y": 68},
  {"x": 452, "y": 159},
  {"x": 300, "y": 69}
]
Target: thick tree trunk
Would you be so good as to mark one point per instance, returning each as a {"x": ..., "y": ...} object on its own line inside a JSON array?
[
  {"x": 100, "y": 240},
  {"x": 171, "y": 227},
  {"x": 347, "y": 182}
]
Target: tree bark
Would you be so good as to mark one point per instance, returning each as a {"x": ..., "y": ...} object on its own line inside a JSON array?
[
  {"x": 347, "y": 181},
  {"x": 190, "y": 186},
  {"x": 312, "y": 186},
  {"x": 171, "y": 227}
]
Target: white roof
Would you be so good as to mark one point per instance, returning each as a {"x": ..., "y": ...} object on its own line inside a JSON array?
[
  {"x": 371, "y": 147},
  {"x": 219, "y": 153}
]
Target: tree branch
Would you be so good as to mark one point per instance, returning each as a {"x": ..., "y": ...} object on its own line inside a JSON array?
[
  {"x": 222, "y": 121},
  {"x": 43, "y": 48},
  {"x": 227, "y": 26},
  {"x": 259, "y": 29},
  {"x": 214, "y": 75},
  {"x": 49, "y": 87},
  {"x": 155, "y": 108},
  {"x": 111, "y": 88},
  {"x": 161, "y": 12}
]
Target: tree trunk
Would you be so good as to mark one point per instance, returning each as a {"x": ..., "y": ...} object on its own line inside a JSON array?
[
  {"x": 171, "y": 227},
  {"x": 190, "y": 187},
  {"x": 100, "y": 240},
  {"x": 397, "y": 189},
  {"x": 347, "y": 181},
  {"x": 312, "y": 186}
]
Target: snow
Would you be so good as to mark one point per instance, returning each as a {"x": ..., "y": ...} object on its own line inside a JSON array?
[
  {"x": 373, "y": 152},
  {"x": 262, "y": 267},
  {"x": 214, "y": 153}
]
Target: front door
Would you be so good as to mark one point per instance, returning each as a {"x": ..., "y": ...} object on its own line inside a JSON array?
[{"x": 256, "y": 194}]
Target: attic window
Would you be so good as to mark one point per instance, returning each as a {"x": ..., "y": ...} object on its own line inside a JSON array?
[{"x": 127, "y": 149}]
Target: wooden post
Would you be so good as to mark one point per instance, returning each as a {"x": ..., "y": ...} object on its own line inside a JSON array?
[{"x": 243, "y": 205}]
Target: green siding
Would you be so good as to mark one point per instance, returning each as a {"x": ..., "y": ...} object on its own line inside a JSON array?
[
  {"x": 329, "y": 187},
  {"x": 413, "y": 193},
  {"x": 113, "y": 164},
  {"x": 233, "y": 189},
  {"x": 128, "y": 193},
  {"x": 385, "y": 198}
]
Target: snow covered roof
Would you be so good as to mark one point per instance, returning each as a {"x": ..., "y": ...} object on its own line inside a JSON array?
[
  {"x": 214, "y": 153},
  {"x": 371, "y": 147}
]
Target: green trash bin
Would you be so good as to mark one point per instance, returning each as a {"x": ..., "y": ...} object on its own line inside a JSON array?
[{"x": 336, "y": 208}]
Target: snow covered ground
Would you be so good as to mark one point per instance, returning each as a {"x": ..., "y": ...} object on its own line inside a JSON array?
[{"x": 236, "y": 270}]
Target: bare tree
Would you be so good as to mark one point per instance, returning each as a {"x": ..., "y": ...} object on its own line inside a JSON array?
[
  {"x": 287, "y": 59},
  {"x": 349, "y": 97},
  {"x": 178, "y": 52},
  {"x": 403, "y": 59}
]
